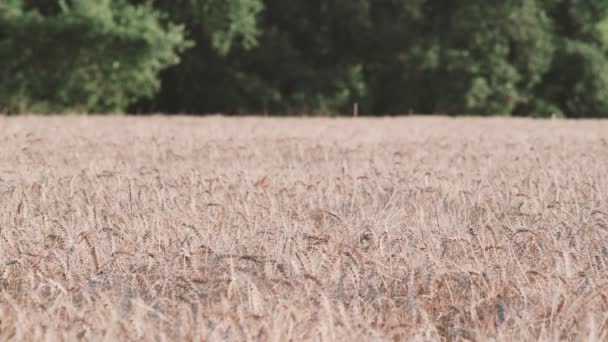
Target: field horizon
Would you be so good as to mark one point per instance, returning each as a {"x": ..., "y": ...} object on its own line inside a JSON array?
[{"x": 286, "y": 229}]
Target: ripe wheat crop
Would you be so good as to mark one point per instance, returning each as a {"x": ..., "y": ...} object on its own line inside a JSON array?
[{"x": 252, "y": 229}]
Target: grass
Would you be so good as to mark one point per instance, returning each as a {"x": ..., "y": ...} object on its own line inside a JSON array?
[{"x": 303, "y": 229}]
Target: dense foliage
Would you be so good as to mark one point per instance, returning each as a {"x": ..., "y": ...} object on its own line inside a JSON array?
[
  {"x": 85, "y": 55},
  {"x": 513, "y": 57}
]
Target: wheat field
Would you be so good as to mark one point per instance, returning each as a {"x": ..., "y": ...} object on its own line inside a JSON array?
[{"x": 257, "y": 229}]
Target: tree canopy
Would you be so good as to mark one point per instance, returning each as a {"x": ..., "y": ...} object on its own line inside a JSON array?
[{"x": 513, "y": 57}]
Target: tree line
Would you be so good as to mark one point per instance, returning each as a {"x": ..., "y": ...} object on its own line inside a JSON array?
[{"x": 510, "y": 57}]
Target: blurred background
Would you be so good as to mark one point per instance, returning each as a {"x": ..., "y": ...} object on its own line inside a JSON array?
[{"x": 286, "y": 57}]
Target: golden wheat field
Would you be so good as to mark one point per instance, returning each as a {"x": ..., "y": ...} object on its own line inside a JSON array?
[{"x": 257, "y": 229}]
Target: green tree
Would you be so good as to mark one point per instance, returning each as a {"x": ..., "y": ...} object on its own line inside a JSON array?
[
  {"x": 209, "y": 77},
  {"x": 295, "y": 56},
  {"x": 513, "y": 57},
  {"x": 471, "y": 56},
  {"x": 86, "y": 55},
  {"x": 308, "y": 57},
  {"x": 576, "y": 84}
]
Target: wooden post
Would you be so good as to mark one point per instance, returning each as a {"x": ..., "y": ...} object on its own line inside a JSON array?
[{"x": 356, "y": 109}]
